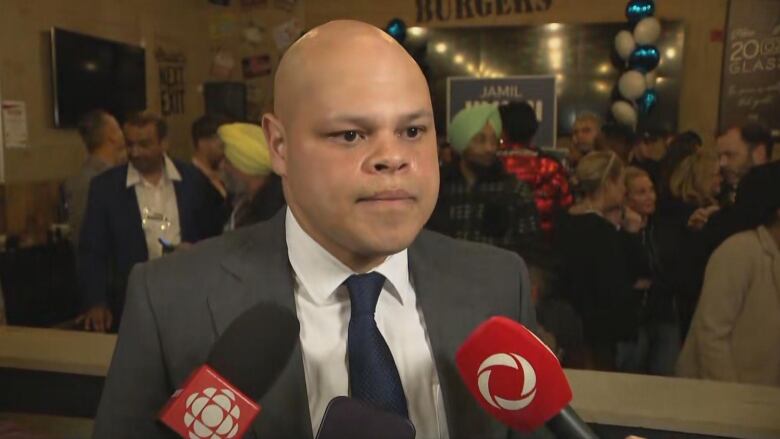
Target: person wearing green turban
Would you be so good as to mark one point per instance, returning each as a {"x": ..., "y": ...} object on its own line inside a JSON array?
[
  {"x": 254, "y": 190},
  {"x": 478, "y": 200},
  {"x": 474, "y": 134}
]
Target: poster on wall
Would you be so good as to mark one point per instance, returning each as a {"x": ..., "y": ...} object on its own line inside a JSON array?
[
  {"x": 253, "y": 34},
  {"x": 255, "y": 66},
  {"x": 223, "y": 26},
  {"x": 171, "y": 67},
  {"x": 538, "y": 91},
  {"x": 14, "y": 117},
  {"x": 222, "y": 65},
  {"x": 750, "y": 88},
  {"x": 286, "y": 33}
]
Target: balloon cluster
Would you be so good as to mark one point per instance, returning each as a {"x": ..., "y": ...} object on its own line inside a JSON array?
[
  {"x": 637, "y": 50},
  {"x": 397, "y": 29}
]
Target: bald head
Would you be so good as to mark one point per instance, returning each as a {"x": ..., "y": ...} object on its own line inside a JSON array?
[
  {"x": 333, "y": 53},
  {"x": 353, "y": 139}
]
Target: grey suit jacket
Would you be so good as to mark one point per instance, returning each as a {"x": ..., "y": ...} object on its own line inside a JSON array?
[
  {"x": 76, "y": 191},
  {"x": 177, "y": 306}
]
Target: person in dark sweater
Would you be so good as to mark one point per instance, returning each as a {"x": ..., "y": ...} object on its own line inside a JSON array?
[
  {"x": 595, "y": 241},
  {"x": 255, "y": 192},
  {"x": 649, "y": 149},
  {"x": 740, "y": 149},
  {"x": 745, "y": 155},
  {"x": 478, "y": 200},
  {"x": 681, "y": 147},
  {"x": 658, "y": 343},
  {"x": 694, "y": 188}
]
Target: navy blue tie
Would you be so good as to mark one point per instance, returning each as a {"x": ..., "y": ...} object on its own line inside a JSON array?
[{"x": 373, "y": 376}]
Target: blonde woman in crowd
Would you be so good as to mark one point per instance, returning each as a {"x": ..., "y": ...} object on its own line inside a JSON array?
[
  {"x": 595, "y": 240},
  {"x": 694, "y": 188},
  {"x": 659, "y": 336}
]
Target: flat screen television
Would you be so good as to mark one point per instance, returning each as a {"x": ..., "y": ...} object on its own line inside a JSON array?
[{"x": 90, "y": 73}]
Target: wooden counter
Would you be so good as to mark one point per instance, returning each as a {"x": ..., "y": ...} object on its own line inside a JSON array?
[
  {"x": 677, "y": 404},
  {"x": 54, "y": 350},
  {"x": 672, "y": 404}
]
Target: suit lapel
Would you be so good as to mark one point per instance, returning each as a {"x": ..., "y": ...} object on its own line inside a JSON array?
[
  {"x": 187, "y": 209},
  {"x": 261, "y": 272},
  {"x": 451, "y": 310},
  {"x": 131, "y": 213},
  {"x": 182, "y": 205}
]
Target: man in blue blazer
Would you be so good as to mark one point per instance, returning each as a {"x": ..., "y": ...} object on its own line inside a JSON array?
[{"x": 135, "y": 213}]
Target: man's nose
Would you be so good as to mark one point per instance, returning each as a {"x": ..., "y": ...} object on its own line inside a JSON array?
[{"x": 391, "y": 156}]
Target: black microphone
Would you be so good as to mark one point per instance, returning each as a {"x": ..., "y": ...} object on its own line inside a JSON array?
[
  {"x": 217, "y": 399},
  {"x": 568, "y": 424},
  {"x": 349, "y": 418}
]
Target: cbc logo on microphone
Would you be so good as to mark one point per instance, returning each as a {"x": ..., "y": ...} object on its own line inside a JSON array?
[
  {"x": 212, "y": 414},
  {"x": 517, "y": 363}
]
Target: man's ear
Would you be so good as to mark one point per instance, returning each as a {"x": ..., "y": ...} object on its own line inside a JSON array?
[{"x": 276, "y": 138}]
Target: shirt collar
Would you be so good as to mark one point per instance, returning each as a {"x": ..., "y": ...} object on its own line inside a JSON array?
[
  {"x": 321, "y": 273},
  {"x": 169, "y": 172}
]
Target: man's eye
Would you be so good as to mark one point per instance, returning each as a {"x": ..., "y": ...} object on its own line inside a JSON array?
[
  {"x": 349, "y": 136},
  {"x": 414, "y": 132}
]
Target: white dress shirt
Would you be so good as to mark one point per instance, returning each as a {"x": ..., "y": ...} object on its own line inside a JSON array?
[
  {"x": 323, "y": 308},
  {"x": 157, "y": 206}
]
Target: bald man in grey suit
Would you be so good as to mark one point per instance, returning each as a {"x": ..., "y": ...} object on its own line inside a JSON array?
[{"x": 352, "y": 137}]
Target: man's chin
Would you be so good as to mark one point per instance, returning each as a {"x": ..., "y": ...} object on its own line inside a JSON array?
[
  {"x": 388, "y": 239},
  {"x": 389, "y": 246},
  {"x": 584, "y": 148}
]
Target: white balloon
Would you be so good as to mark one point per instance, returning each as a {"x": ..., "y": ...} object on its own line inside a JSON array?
[
  {"x": 624, "y": 44},
  {"x": 647, "y": 31},
  {"x": 632, "y": 85},
  {"x": 650, "y": 78},
  {"x": 624, "y": 113}
]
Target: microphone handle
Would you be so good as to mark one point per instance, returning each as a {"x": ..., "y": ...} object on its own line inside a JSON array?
[{"x": 568, "y": 425}]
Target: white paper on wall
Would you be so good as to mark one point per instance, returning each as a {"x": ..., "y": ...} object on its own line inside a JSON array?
[
  {"x": 286, "y": 33},
  {"x": 14, "y": 124}
]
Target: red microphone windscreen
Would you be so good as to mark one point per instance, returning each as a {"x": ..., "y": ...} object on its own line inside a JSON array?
[
  {"x": 512, "y": 374},
  {"x": 207, "y": 406}
]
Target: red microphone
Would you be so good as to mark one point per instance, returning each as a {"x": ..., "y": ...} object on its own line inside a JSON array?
[
  {"x": 208, "y": 406},
  {"x": 217, "y": 401},
  {"x": 518, "y": 380}
]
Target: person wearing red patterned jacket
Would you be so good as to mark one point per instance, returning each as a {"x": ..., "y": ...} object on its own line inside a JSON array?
[{"x": 543, "y": 173}]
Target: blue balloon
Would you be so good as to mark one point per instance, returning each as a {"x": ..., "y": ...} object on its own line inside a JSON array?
[
  {"x": 639, "y": 9},
  {"x": 648, "y": 101},
  {"x": 397, "y": 29},
  {"x": 644, "y": 58}
]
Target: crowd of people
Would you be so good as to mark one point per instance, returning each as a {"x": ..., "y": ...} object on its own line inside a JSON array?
[
  {"x": 648, "y": 253},
  {"x": 131, "y": 202},
  {"x": 630, "y": 239}
]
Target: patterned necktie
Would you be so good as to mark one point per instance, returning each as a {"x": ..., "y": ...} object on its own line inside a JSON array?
[{"x": 373, "y": 376}]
